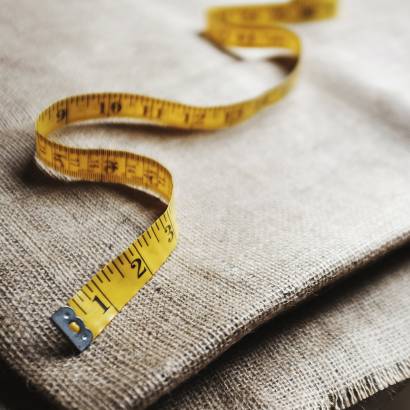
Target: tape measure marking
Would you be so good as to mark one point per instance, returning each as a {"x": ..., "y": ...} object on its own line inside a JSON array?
[{"x": 91, "y": 309}]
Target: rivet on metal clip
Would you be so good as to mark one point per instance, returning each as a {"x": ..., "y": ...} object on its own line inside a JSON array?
[{"x": 81, "y": 337}]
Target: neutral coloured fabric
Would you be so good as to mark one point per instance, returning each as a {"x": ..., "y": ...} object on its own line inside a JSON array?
[
  {"x": 335, "y": 351},
  {"x": 270, "y": 211}
]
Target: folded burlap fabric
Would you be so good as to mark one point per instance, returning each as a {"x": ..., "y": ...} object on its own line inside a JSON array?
[
  {"x": 331, "y": 353},
  {"x": 310, "y": 189}
]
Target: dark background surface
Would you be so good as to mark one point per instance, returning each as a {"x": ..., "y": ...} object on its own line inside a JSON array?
[{"x": 395, "y": 398}]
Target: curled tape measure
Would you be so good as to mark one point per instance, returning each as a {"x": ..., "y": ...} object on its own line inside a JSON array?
[{"x": 92, "y": 308}]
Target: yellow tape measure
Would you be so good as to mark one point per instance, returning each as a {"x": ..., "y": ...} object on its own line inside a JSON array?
[{"x": 91, "y": 309}]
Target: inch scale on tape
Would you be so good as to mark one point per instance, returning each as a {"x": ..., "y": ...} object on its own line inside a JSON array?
[{"x": 92, "y": 307}]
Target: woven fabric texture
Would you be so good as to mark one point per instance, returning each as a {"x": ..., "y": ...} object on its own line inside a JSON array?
[
  {"x": 330, "y": 353},
  {"x": 270, "y": 212}
]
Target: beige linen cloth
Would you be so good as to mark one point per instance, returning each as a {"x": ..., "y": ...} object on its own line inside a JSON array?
[{"x": 270, "y": 212}]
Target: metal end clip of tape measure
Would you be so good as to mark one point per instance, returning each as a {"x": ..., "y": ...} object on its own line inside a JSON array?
[{"x": 92, "y": 307}]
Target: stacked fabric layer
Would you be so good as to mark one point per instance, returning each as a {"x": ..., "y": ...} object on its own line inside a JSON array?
[{"x": 271, "y": 212}]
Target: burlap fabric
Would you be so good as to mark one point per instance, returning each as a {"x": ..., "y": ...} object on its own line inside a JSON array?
[
  {"x": 330, "y": 353},
  {"x": 270, "y": 212}
]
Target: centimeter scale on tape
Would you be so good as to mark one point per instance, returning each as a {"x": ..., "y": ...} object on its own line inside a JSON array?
[{"x": 93, "y": 306}]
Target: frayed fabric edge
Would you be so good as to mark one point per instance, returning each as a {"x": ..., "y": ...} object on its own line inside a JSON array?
[
  {"x": 365, "y": 387},
  {"x": 336, "y": 399}
]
